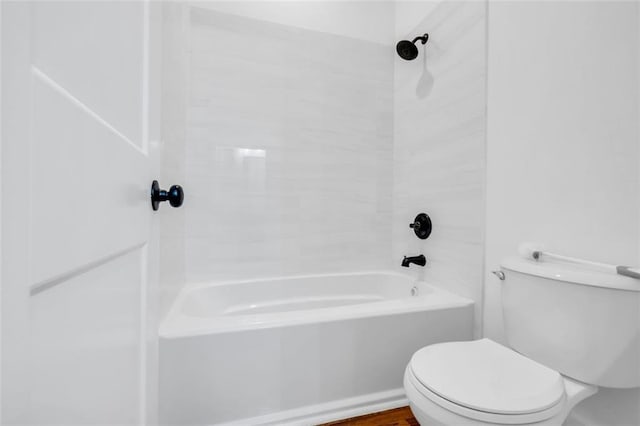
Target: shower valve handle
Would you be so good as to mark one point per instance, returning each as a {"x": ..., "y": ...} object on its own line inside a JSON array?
[
  {"x": 421, "y": 226},
  {"x": 175, "y": 195}
]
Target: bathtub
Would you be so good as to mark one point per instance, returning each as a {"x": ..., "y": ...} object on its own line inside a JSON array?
[{"x": 299, "y": 350}]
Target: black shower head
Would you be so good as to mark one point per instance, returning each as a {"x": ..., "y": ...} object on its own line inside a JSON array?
[{"x": 408, "y": 50}]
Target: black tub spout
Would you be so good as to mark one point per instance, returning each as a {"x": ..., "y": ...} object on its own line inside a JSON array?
[{"x": 417, "y": 260}]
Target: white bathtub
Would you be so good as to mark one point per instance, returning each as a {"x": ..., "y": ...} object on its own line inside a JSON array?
[{"x": 299, "y": 349}]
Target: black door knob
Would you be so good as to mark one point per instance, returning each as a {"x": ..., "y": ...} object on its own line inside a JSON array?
[{"x": 175, "y": 195}]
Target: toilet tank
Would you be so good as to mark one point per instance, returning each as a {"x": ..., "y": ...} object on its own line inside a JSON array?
[{"x": 583, "y": 323}]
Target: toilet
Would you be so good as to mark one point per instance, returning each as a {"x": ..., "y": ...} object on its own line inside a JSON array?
[{"x": 569, "y": 330}]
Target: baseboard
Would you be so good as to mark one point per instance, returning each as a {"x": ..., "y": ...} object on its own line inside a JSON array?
[{"x": 330, "y": 411}]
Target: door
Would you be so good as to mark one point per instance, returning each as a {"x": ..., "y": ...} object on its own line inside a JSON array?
[{"x": 77, "y": 249}]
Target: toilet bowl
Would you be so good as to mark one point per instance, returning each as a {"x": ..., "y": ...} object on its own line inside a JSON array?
[
  {"x": 569, "y": 331},
  {"x": 482, "y": 382}
]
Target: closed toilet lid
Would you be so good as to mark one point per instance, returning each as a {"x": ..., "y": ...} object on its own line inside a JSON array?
[{"x": 486, "y": 376}]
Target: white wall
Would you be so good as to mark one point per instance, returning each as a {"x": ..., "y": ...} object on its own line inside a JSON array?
[
  {"x": 562, "y": 149},
  {"x": 439, "y": 139},
  {"x": 288, "y": 149},
  {"x": 562, "y": 133}
]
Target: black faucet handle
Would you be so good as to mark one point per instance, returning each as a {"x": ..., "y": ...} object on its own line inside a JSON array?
[{"x": 421, "y": 226}]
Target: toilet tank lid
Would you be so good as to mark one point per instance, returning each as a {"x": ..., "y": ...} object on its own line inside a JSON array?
[{"x": 571, "y": 273}]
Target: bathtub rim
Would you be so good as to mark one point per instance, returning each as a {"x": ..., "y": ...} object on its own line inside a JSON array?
[
  {"x": 204, "y": 284},
  {"x": 169, "y": 330}
]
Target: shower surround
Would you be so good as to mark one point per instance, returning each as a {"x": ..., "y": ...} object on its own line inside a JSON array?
[{"x": 305, "y": 151}]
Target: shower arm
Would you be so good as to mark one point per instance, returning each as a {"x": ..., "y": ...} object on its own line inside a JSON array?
[{"x": 422, "y": 38}]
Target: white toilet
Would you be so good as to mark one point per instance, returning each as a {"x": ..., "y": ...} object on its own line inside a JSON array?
[{"x": 569, "y": 331}]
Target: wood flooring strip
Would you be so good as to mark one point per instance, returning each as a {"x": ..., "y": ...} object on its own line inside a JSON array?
[{"x": 396, "y": 417}]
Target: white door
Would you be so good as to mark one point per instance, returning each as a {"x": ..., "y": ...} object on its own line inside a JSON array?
[{"x": 77, "y": 251}]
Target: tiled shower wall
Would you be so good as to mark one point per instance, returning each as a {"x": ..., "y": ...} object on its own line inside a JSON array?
[
  {"x": 288, "y": 150},
  {"x": 439, "y": 143}
]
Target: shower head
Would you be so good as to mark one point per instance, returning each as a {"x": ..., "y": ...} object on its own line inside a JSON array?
[{"x": 408, "y": 50}]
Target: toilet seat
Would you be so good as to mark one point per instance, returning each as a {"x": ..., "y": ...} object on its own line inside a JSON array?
[
  {"x": 486, "y": 381},
  {"x": 477, "y": 415}
]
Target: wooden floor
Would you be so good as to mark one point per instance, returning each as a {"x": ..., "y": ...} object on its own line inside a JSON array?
[{"x": 397, "y": 417}]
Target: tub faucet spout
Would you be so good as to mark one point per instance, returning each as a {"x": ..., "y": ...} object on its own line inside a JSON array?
[{"x": 418, "y": 260}]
